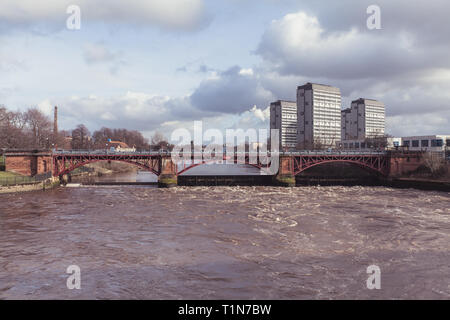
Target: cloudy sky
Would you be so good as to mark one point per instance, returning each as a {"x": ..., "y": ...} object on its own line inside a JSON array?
[{"x": 161, "y": 64}]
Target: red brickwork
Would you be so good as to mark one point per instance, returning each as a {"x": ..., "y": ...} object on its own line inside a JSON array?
[
  {"x": 404, "y": 163},
  {"x": 167, "y": 166},
  {"x": 286, "y": 165},
  {"x": 28, "y": 164}
]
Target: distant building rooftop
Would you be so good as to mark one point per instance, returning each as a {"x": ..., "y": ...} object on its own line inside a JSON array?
[
  {"x": 280, "y": 101},
  {"x": 319, "y": 86},
  {"x": 117, "y": 144},
  {"x": 362, "y": 100}
]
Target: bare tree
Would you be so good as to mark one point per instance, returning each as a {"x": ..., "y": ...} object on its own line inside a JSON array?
[
  {"x": 434, "y": 162},
  {"x": 158, "y": 142},
  {"x": 12, "y": 132},
  {"x": 132, "y": 138},
  {"x": 377, "y": 142},
  {"x": 81, "y": 138},
  {"x": 39, "y": 128}
]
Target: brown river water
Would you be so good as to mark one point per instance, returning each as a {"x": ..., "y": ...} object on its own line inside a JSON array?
[{"x": 141, "y": 242}]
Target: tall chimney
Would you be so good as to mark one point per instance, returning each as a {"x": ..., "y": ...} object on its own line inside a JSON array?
[{"x": 55, "y": 127}]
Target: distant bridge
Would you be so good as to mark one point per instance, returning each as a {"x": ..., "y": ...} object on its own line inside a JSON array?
[
  {"x": 66, "y": 161},
  {"x": 60, "y": 163}
]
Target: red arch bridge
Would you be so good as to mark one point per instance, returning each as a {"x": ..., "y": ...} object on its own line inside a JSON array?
[{"x": 160, "y": 163}]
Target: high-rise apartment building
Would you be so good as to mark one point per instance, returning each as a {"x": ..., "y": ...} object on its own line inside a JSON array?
[
  {"x": 283, "y": 116},
  {"x": 318, "y": 116},
  {"x": 364, "y": 119}
]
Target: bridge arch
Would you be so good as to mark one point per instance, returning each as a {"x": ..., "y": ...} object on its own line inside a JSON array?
[
  {"x": 359, "y": 164},
  {"x": 85, "y": 162},
  {"x": 194, "y": 165}
]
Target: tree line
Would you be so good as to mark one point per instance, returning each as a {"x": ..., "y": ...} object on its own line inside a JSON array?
[
  {"x": 32, "y": 129},
  {"x": 28, "y": 129}
]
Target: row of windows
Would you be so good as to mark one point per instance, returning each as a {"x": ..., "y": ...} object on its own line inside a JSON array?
[
  {"x": 374, "y": 115},
  {"x": 425, "y": 143},
  {"x": 355, "y": 145},
  {"x": 375, "y": 108}
]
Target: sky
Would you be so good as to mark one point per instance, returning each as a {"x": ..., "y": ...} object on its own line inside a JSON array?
[{"x": 160, "y": 65}]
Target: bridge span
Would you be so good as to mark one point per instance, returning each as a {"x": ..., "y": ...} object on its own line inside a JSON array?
[{"x": 290, "y": 164}]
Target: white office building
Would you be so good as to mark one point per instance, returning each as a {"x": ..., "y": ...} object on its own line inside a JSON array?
[
  {"x": 283, "y": 116},
  {"x": 318, "y": 116},
  {"x": 433, "y": 143},
  {"x": 364, "y": 119}
]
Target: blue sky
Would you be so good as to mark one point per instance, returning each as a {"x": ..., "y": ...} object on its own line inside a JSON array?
[{"x": 160, "y": 65}]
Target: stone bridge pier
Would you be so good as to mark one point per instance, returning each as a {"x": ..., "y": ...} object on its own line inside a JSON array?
[
  {"x": 285, "y": 176},
  {"x": 168, "y": 173}
]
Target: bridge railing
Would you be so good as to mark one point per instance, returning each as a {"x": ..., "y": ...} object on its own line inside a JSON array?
[
  {"x": 333, "y": 153},
  {"x": 157, "y": 153},
  {"x": 108, "y": 152}
]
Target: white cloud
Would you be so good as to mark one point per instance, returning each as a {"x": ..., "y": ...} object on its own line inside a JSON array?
[
  {"x": 169, "y": 14},
  {"x": 419, "y": 124},
  {"x": 246, "y": 72},
  {"x": 97, "y": 53},
  {"x": 147, "y": 113},
  {"x": 261, "y": 114},
  {"x": 298, "y": 44},
  {"x": 232, "y": 91},
  {"x": 45, "y": 107}
]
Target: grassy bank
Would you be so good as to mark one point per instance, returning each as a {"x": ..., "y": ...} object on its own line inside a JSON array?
[
  {"x": 11, "y": 182},
  {"x": 7, "y": 174},
  {"x": 8, "y": 177}
]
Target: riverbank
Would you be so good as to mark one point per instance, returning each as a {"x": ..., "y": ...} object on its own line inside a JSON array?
[{"x": 32, "y": 186}]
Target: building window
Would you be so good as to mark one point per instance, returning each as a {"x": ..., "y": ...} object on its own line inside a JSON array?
[
  {"x": 436, "y": 143},
  {"x": 356, "y": 145},
  {"x": 425, "y": 143},
  {"x": 415, "y": 143},
  {"x": 363, "y": 145},
  {"x": 406, "y": 143}
]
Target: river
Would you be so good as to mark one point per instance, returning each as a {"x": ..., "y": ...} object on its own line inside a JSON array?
[{"x": 141, "y": 242}]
